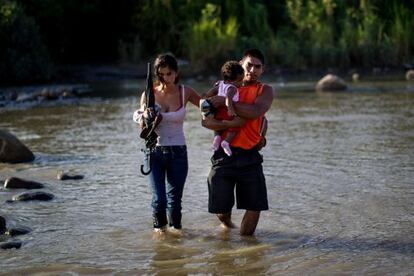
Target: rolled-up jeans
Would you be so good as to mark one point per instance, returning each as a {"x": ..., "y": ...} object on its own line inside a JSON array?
[{"x": 169, "y": 168}]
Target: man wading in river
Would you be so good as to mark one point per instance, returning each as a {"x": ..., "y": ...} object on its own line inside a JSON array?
[{"x": 243, "y": 169}]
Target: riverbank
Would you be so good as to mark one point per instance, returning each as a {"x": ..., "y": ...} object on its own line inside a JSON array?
[
  {"x": 87, "y": 73},
  {"x": 41, "y": 93},
  {"x": 71, "y": 81},
  {"x": 96, "y": 73}
]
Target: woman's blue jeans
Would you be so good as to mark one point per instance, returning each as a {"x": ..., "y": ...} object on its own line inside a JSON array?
[{"x": 169, "y": 168}]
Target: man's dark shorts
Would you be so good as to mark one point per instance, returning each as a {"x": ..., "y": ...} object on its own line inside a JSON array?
[{"x": 242, "y": 170}]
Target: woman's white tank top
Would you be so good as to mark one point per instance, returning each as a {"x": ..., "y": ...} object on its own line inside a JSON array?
[{"x": 170, "y": 131}]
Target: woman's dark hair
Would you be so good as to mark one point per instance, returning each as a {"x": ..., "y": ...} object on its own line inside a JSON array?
[
  {"x": 231, "y": 70},
  {"x": 165, "y": 60}
]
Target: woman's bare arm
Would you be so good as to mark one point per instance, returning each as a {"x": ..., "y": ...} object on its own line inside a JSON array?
[{"x": 193, "y": 96}]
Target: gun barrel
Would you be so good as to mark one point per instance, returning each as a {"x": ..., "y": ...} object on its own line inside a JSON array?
[{"x": 149, "y": 89}]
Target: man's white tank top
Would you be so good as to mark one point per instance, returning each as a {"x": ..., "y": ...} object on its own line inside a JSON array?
[{"x": 170, "y": 131}]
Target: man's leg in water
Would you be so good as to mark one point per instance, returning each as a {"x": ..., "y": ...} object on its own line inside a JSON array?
[
  {"x": 249, "y": 222},
  {"x": 221, "y": 190},
  {"x": 226, "y": 220}
]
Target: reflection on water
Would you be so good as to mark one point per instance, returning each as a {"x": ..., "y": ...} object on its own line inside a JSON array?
[{"x": 339, "y": 169}]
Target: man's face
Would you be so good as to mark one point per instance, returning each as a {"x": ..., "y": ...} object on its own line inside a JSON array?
[{"x": 253, "y": 68}]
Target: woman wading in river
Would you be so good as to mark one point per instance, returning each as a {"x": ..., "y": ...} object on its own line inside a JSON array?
[{"x": 169, "y": 163}]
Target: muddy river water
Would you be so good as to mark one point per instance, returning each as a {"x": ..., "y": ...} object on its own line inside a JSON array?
[{"x": 339, "y": 169}]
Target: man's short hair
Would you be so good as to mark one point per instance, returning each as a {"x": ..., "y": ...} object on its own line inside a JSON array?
[{"x": 256, "y": 53}]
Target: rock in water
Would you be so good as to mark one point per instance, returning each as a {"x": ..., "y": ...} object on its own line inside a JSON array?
[
  {"x": 66, "y": 176},
  {"x": 17, "y": 231},
  {"x": 12, "y": 150},
  {"x": 18, "y": 183},
  {"x": 410, "y": 75},
  {"x": 3, "y": 228},
  {"x": 20, "y": 230},
  {"x": 28, "y": 196},
  {"x": 10, "y": 245},
  {"x": 355, "y": 77},
  {"x": 331, "y": 83}
]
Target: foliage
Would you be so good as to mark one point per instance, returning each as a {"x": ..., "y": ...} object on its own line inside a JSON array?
[
  {"x": 401, "y": 32},
  {"x": 292, "y": 33},
  {"x": 352, "y": 33},
  {"x": 257, "y": 32},
  {"x": 225, "y": 30},
  {"x": 211, "y": 41},
  {"x": 23, "y": 56},
  {"x": 160, "y": 24}
]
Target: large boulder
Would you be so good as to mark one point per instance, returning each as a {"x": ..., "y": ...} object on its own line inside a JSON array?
[
  {"x": 18, "y": 183},
  {"x": 12, "y": 150},
  {"x": 410, "y": 75},
  {"x": 331, "y": 83}
]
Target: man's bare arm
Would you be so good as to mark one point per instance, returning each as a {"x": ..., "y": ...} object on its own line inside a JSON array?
[
  {"x": 217, "y": 125},
  {"x": 261, "y": 106}
]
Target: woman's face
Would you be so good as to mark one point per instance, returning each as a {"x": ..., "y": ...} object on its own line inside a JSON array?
[{"x": 166, "y": 75}]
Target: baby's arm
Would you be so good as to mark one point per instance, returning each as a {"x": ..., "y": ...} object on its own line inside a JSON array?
[
  {"x": 212, "y": 92},
  {"x": 229, "y": 100}
]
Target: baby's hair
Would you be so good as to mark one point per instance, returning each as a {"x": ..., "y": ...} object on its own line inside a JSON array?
[{"x": 231, "y": 70}]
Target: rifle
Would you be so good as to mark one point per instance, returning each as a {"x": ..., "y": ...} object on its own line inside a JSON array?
[{"x": 150, "y": 121}]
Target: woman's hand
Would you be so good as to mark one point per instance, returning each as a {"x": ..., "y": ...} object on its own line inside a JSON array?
[{"x": 137, "y": 117}]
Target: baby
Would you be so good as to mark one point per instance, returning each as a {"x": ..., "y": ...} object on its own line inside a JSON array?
[{"x": 232, "y": 73}]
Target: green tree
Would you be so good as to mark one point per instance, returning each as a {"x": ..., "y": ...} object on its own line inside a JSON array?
[
  {"x": 23, "y": 56},
  {"x": 212, "y": 41}
]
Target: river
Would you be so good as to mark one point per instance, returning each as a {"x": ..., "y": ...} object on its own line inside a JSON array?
[{"x": 339, "y": 169}]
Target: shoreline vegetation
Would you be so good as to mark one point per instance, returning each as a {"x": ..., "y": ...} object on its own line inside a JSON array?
[{"x": 45, "y": 41}]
